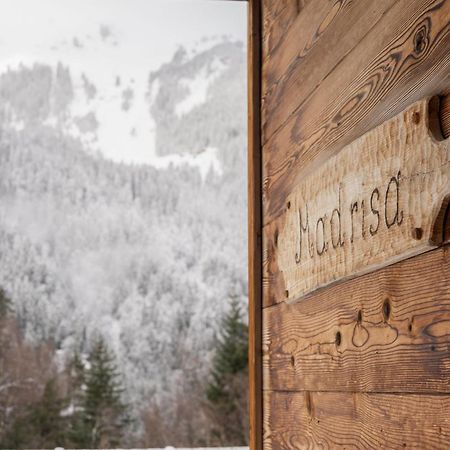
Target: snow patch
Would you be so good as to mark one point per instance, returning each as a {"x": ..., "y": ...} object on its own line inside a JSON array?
[{"x": 198, "y": 86}]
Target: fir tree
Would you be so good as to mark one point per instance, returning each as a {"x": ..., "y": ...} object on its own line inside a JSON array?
[
  {"x": 103, "y": 417},
  {"x": 227, "y": 391},
  {"x": 43, "y": 427}
]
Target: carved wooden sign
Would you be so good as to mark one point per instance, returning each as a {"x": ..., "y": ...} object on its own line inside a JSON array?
[{"x": 373, "y": 204}]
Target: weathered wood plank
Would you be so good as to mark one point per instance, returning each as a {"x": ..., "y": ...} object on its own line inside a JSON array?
[
  {"x": 388, "y": 331},
  {"x": 278, "y": 16},
  {"x": 373, "y": 204},
  {"x": 323, "y": 34},
  {"x": 333, "y": 420},
  {"x": 274, "y": 286},
  {"x": 365, "y": 237},
  {"x": 301, "y": 36},
  {"x": 402, "y": 59}
]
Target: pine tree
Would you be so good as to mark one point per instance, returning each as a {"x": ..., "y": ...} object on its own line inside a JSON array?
[
  {"x": 43, "y": 426},
  {"x": 46, "y": 418},
  {"x": 227, "y": 391},
  {"x": 103, "y": 416}
]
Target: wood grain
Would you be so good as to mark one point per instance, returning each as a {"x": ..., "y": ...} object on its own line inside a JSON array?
[
  {"x": 278, "y": 16},
  {"x": 298, "y": 39},
  {"x": 373, "y": 204},
  {"x": 254, "y": 225},
  {"x": 274, "y": 286},
  {"x": 388, "y": 331},
  {"x": 402, "y": 59},
  {"x": 319, "y": 38},
  {"x": 333, "y": 420}
]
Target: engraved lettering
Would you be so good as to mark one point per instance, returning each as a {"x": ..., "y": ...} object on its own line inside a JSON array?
[
  {"x": 302, "y": 229},
  {"x": 360, "y": 219},
  {"x": 353, "y": 208},
  {"x": 336, "y": 213},
  {"x": 363, "y": 221},
  {"x": 373, "y": 230},
  {"x": 389, "y": 202},
  {"x": 321, "y": 224}
]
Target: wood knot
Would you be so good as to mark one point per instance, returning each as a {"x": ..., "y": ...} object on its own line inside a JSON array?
[
  {"x": 288, "y": 205},
  {"x": 338, "y": 338},
  {"x": 386, "y": 309},
  {"x": 275, "y": 238},
  {"x": 417, "y": 233},
  {"x": 420, "y": 40},
  {"x": 416, "y": 118}
]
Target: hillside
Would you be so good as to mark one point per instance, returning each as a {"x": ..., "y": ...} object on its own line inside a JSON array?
[{"x": 145, "y": 254}]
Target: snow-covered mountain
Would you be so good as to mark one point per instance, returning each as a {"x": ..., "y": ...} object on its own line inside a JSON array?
[{"x": 122, "y": 205}]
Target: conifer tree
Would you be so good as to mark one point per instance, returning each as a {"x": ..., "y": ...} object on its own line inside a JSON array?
[
  {"x": 43, "y": 427},
  {"x": 103, "y": 417},
  {"x": 227, "y": 391}
]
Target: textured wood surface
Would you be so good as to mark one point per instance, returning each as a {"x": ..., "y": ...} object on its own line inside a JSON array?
[
  {"x": 333, "y": 420},
  {"x": 294, "y": 68},
  {"x": 362, "y": 362},
  {"x": 388, "y": 331},
  {"x": 402, "y": 59},
  {"x": 373, "y": 204},
  {"x": 254, "y": 225},
  {"x": 278, "y": 16}
]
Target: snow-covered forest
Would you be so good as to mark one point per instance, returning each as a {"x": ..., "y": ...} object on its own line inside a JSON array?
[{"x": 146, "y": 256}]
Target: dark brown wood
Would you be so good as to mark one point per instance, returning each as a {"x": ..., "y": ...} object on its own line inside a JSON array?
[
  {"x": 254, "y": 224},
  {"x": 335, "y": 420},
  {"x": 402, "y": 59},
  {"x": 388, "y": 331}
]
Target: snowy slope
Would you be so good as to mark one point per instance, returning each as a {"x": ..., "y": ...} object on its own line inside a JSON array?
[
  {"x": 110, "y": 110},
  {"x": 146, "y": 254}
]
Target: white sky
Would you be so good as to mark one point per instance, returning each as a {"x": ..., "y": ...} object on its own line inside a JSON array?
[
  {"x": 148, "y": 30},
  {"x": 145, "y": 34}
]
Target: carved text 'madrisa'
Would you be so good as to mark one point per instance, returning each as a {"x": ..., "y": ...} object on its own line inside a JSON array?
[{"x": 362, "y": 217}]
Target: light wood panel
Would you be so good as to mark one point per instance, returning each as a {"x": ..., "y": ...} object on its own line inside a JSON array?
[
  {"x": 402, "y": 59},
  {"x": 374, "y": 203},
  {"x": 388, "y": 331},
  {"x": 333, "y": 420}
]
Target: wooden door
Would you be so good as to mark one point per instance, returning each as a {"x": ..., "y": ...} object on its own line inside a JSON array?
[{"x": 349, "y": 126}]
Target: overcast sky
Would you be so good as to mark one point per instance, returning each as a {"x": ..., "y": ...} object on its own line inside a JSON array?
[{"x": 149, "y": 30}]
